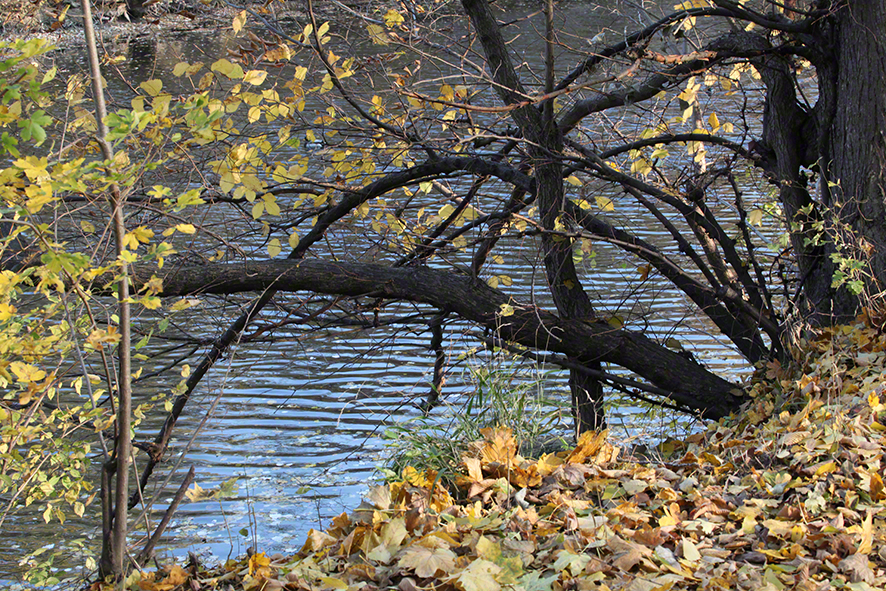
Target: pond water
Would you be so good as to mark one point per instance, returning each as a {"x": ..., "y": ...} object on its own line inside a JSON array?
[{"x": 299, "y": 418}]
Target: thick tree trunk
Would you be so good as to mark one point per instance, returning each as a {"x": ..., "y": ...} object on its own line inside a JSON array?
[
  {"x": 688, "y": 383},
  {"x": 856, "y": 138}
]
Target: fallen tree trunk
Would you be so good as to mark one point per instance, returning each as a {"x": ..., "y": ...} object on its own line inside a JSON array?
[{"x": 690, "y": 384}]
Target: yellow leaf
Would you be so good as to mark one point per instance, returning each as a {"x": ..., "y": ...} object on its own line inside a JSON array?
[
  {"x": 6, "y": 311},
  {"x": 258, "y": 208},
  {"x": 506, "y": 310},
  {"x": 239, "y": 21},
  {"x": 332, "y": 583},
  {"x": 877, "y": 487},
  {"x": 377, "y": 34},
  {"x": 87, "y": 227},
  {"x": 605, "y": 203},
  {"x": 271, "y": 204},
  {"x": 260, "y": 561},
  {"x": 690, "y": 551},
  {"x": 143, "y": 234},
  {"x": 573, "y": 180},
  {"x": 393, "y": 18},
  {"x": 255, "y": 77},
  {"x": 825, "y": 468},
  {"x": 177, "y": 576},
  {"x": 479, "y": 576},
  {"x": 185, "y": 228},
  {"x": 184, "y": 304},
  {"x": 867, "y": 534},
  {"x": 152, "y": 87},
  {"x": 274, "y": 248},
  {"x": 26, "y": 372},
  {"x": 293, "y": 240},
  {"x": 38, "y": 196},
  {"x": 197, "y": 494},
  {"x": 227, "y": 69},
  {"x": 500, "y": 445},
  {"x": 180, "y": 69},
  {"x": 755, "y": 218},
  {"x": 151, "y": 302}
]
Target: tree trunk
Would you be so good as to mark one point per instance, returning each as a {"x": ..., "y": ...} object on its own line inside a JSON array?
[
  {"x": 856, "y": 140},
  {"x": 544, "y": 147}
]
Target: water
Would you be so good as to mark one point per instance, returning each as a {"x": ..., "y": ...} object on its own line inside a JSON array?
[{"x": 298, "y": 417}]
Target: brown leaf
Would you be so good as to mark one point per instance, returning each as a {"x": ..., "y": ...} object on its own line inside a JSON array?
[
  {"x": 379, "y": 497},
  {"x": 626, "y": 554},
  {"x": 857, "y": 569}
]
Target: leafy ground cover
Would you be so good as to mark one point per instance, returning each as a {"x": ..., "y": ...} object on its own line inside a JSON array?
[{"x": 788, "y": 495}]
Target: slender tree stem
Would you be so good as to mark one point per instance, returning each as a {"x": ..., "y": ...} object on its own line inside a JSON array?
[{"x": 115, "y": 549}]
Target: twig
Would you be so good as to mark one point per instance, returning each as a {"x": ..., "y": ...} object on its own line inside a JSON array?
[{"x": 145, "y": 553}]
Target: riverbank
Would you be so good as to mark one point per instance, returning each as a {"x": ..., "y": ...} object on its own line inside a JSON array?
[
  {"x": 790, "y": 494},
  {"x": 61, "y": 24}
]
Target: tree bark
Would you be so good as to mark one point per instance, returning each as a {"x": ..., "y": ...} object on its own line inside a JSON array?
[{"x": 855, "y": 146}]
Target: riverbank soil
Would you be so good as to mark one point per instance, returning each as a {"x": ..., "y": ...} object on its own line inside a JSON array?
[{"x": 788, "y": 495}]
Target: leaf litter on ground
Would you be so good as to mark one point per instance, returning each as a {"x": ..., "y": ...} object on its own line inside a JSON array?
[{"x": 788, "y": 495}]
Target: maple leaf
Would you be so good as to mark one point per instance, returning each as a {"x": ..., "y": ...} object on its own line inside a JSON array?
[
  {"x": 479, "y": 576},
  {"x": 857, "y": 568},
  {"x": 427, "y": 562},
  {"x": 197, "y": 494},
  {"x": 534, "y": 581},
  {"x": 589, "y": 443},
  {"x": 547, "y": 464},
  {"x": 500, "y": 446},
  {"x": 379, "y": 497}
]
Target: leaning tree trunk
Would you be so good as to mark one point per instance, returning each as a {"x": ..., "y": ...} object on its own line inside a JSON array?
[
  {"x": 855, "y": 140},
  {"x": 684, "y": 381}
]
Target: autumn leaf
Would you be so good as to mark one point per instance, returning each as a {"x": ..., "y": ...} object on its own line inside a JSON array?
[
  {"x": 26, "y": 372},
  {"x": 255, "y": 77},
  {"x": 479, "y": 576},
  {"x": 499, "y": 446},
  {"x": 239, "y": 21},
  {"x": 427, "y": 562}
]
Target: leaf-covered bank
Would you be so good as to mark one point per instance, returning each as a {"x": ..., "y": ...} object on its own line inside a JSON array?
[{"x": 791, "y": 495}]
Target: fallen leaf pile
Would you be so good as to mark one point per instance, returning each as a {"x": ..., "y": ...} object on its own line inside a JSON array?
[{"x": 788, "y": 495}]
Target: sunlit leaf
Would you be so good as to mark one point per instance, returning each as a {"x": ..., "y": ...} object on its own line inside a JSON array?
[{"x": 239, "y": 21}]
